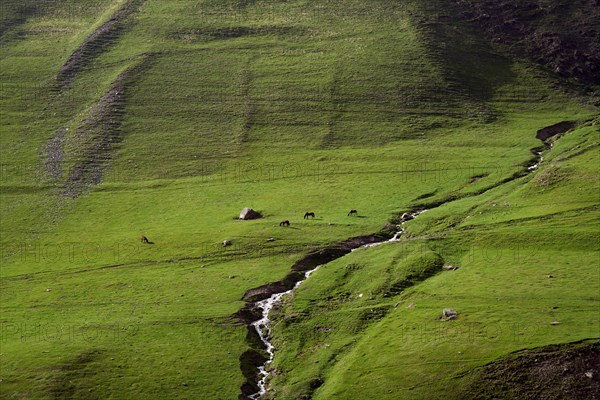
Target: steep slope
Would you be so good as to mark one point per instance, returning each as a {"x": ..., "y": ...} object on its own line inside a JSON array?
[
  {"x": 520, "y": 283},
  {"x": 563, "y": 36},
  {"x": 181, "y": 113}
]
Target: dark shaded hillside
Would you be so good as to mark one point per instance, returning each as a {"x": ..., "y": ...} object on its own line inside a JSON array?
[
  {"x": 567, "y": 371},
  {"x": 563, "y": 36},
  {"x": 12, "y": 14}
]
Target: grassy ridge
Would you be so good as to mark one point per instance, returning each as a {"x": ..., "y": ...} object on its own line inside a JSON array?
[
  {"x": 284, "y": 107},
  {"x": 519, "y": 270}
]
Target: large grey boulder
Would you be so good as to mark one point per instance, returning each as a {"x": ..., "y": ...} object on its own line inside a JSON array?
[
  {"x": 248, "y": 213},
  {"x": 449, "y": 313},
  {"x": 407, "y": 217}
]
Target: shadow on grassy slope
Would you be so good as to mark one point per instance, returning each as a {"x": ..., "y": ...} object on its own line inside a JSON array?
[
  {"x": 560, "y": 35},
  {"x": 471, "y": 66},
  {"x": 14, "y": 15},
  {"x": 567, "y": 371}
]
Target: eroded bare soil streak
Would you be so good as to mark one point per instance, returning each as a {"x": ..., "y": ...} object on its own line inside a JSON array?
[
  {"x": 98, "y": 42},
  {"x": 97, "y": 137},
  {"x": 103, "y": 123}
]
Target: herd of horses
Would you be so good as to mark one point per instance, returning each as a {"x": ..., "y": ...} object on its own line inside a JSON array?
[
  {"x": 286, "y": 222},
  {"x": 310, "y": 214}
]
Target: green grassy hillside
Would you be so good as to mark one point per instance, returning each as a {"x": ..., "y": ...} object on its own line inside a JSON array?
[{"x": 123, "y": 118}]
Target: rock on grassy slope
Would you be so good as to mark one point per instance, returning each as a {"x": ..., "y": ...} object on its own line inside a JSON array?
[{"x": 285, "y": 107}]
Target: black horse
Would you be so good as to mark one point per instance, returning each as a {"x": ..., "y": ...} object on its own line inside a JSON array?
[
  {"x": 353, "y": 212},
  {"x": 309, "y": 214},
  {"x": 284, "y": 223}
]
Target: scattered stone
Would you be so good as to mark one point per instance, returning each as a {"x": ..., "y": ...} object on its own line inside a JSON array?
[
  {"x": 589, "y": 374},
  {"x": 406, "y": 217},
  {"x": 270, "y": 239},
  {"x": 226, "y": 243},
  {"x": 550, "y": 276},
  {"x": 232, "y": 276},
  {"x": 248, "y": 213},
  {"x": 411, "y": 305},
  {"x": 554, "y": 323},
  {"x": 450, "y": 267},
  {"x": 449, "y": 313},
  {"x": 48, "y": 290},
  {"x": 325, "y": 329},
  {"x": 184, "y": 384}
]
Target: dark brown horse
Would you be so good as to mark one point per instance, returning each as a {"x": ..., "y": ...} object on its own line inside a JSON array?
[
  {"x": 284, "y": 223},
  {"x": 144, "y": 239},
  {"x": 352, "y": 212},
  {"x": 309, "y": 214}
]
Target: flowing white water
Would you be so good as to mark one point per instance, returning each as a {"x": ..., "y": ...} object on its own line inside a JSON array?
[
  {"x": 263, "y": 325},
  {"x": 393, "y": 239},
  {"x": 263, "y": 328},
  {"x": 540, "y": 159},
  {"x": 397, "y": 235}
]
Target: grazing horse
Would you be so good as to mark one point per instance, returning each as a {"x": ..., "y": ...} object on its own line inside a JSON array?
[
  {"x": 284, "y": 223},
  {"x": 353, "y": 212},
  {"x": 144, "y": 239},
  {"x": 309, "y": 214}
]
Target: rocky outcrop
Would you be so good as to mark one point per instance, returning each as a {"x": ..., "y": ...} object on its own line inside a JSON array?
[
  {"x": 565, "y": 371},
  {"x": 448, "y": 314},
  {"x": 562, "y": 36},
  {"x": 248, "y": 213}
]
